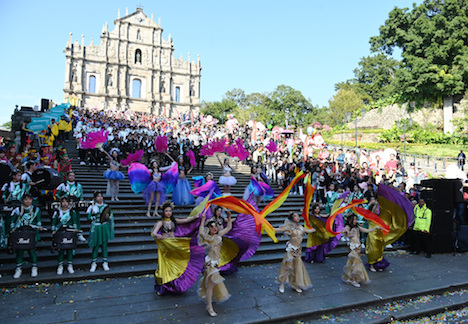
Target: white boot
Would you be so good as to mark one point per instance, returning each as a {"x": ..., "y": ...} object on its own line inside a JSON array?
[
  {"x": 34, "y": 272},
  {"x": 70, "y": 268},
  {"x": 105, "y": 266},
  {"x": 60, "y": 269},
  {"x": 93, "y": 267},
  {"x": 81, "y": 238},
  {"x": 18, "y": 273}
]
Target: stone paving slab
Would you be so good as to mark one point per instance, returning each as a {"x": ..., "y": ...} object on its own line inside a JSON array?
[{"x": 255, "y": 296}]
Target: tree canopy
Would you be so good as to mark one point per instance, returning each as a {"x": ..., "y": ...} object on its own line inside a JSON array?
[
  {"x": 433, "y": 38},
  {"x": 265, "y": 107}
]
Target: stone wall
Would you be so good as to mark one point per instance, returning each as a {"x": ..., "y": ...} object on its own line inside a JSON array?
[{"x": 386, "y": 117}]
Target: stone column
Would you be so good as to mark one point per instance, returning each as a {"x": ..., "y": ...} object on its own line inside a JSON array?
[{"x": 448, "y": 114}]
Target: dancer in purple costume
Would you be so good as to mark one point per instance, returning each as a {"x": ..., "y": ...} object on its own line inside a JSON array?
[
  {"x": 155, "y": 191},
  {"x": 175, "y": 246},
  {"x": 317, "y": 253}
]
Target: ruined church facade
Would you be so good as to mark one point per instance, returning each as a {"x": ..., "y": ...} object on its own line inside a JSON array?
[{"x": 133, "y": 68}]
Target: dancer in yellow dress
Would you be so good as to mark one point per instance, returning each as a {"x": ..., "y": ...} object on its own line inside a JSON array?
[
  {"x": 292, "y": 269},
  {"x": 212, "y": 286},
  {"x": 354, "y": 271}
]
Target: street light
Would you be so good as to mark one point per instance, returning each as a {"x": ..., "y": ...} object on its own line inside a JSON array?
[
  {"x": 287, "y": 117},
  {"x": 405, "y": 124}
]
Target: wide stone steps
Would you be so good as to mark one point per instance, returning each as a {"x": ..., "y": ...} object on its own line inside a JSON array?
[{"x": 133, "y": 251}]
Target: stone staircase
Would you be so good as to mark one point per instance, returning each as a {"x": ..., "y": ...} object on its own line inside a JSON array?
[{"x": 133, "y": 251}]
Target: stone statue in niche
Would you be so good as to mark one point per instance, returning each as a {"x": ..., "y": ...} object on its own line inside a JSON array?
[
  {"x": 165, "y": 58},
  {"x": 138, "y": 35},
  {"x": 73, "y": 77},
  {"x": 162, "y": 88},
  {"x": 109, "y": 80}
]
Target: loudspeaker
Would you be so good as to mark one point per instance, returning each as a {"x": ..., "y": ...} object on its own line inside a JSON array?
[
  {"x": 441, "y": 230},
  {"x": 442, "y": 193},
  {"x": 44, "y": 104}
]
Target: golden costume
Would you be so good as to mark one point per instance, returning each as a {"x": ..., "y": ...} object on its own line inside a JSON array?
[
  {"x": 213, "y": 244},
  {"x": 354, "y": 270},
  {"x": 292, "y": 267}
]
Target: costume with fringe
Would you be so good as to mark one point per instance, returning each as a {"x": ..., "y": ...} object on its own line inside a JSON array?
[
  {"x": 354, "y": 269},
  {"x": 292, "y": 269},
  {"x": 213, "y": 244}
]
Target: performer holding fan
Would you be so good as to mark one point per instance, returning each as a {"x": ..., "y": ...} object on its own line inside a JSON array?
[{"x": 102, "y": 229}]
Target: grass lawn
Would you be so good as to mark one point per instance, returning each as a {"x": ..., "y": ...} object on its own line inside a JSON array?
[{"x": 436, "y": 150}]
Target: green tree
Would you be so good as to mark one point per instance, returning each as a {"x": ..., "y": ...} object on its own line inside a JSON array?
[
  {"x": 433, "y": 38},
  {"x": 344, "y": 101},
  {"x": 285, "y": 98},
  {"x": 238, "y": 96},
  {"x": 375, "y": 75},
  {"x": 218, "y": 109}
]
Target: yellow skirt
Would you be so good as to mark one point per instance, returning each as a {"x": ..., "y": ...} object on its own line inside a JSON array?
[
  {"x": 293, "y": 271},
  {"x": 354, "y": 269},
  {"x": 212, "y": 275}
]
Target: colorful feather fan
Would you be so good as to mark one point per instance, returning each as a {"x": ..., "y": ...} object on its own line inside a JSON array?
[
  {"x": 139, "y": 177},
  {"x": 271, "y": 147},
  {"x": 237, "y": 150},
  {"x": 191, "y": 156},
  {"x": 135, "y": 157},
  {"x": 161, "y": 144},
  {"x": 210, "y": 148}
]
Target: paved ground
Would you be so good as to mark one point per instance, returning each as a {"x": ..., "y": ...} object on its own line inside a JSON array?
[{"x": 255, "y": 296}]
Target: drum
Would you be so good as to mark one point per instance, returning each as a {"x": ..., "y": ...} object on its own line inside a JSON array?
[
  {"x": 65, "y": 240},
  {"x": 47, "y": 178},
  {"x": 105, "y": 214},
  {"x": 24, "y": 238}
]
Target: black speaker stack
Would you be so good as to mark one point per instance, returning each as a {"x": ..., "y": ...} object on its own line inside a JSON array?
[{"x": 442, "y": 196}]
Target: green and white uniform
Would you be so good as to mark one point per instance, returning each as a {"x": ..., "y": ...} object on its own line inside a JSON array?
[
  {"x": 22, "y": 216},
  {"x": 100, "y": 233},
  {"x": 64, "y": 218}
]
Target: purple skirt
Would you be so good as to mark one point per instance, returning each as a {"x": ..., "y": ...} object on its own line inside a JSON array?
[
  {"x": 154, "y": 187},
  {"x": 190, "y": 275},
  {"x": 380, "y": 265}
]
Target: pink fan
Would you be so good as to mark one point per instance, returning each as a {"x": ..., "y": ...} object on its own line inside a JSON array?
[
  {"x": 161, "y": 144},
  {"x": 94, "y": 139},
  {"x": 271, "y": 147},
  {"x": 135, "y": 157},
  {"x": 213, "y": 147},
  {"x": 237, "y": 150},
  {"x": 191, "y": 156}
]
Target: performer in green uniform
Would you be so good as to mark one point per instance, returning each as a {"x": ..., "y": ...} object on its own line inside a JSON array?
[
  {"x": 64, "y": 217},
  {"x": 74, "y": 191},
  {"x": 26, "y": 215},
  {"x": 102, "y": 230}
]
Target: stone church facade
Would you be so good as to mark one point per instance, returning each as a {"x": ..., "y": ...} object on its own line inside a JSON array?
[{"x": 133, "y": 68}]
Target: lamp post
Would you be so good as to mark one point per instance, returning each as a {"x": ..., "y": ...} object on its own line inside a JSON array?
[
  {"x": 295, "y": 115},
  {"x": 287, "y": 117},
  {"x": 407, "y": 123}
]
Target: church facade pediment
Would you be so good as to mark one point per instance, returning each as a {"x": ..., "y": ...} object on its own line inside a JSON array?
[{"x": 133, "y": 68}]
